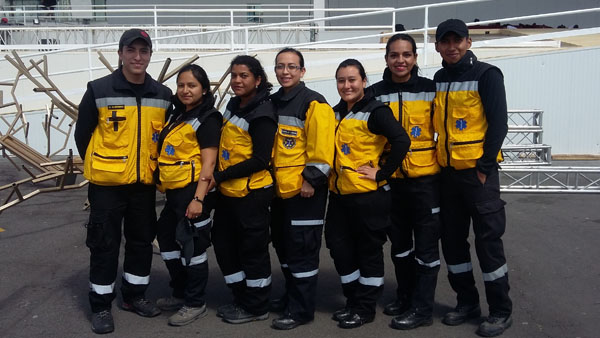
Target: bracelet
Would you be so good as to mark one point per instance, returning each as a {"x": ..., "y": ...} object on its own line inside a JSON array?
[{"x": 198, "y": 200}]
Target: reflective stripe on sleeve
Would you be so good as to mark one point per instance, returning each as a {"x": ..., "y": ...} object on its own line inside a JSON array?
[
  {"x": 435, "y": 210},
  {"x": 102, "y": 289},
  {"x": 235, "y": 277},
  {"x": 350, "y": 277},
  {"x": 323, "y": 167},
  {"x": 136, "y": 280},
  {"x": 499, "y": 273},
  {"x": 460, "y": 268}
]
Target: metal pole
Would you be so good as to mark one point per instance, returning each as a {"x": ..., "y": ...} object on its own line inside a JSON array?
[
  {"x": 89, "y": 50},
  {"x": 425, "y": 36},
  {"x": 246, "y": 40},
  {"x": 232, "y": 32},
  {"x": 156, "y": 27}
]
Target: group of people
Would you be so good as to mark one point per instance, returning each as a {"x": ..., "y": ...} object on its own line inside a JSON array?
[{"x": 408, "y": 158}]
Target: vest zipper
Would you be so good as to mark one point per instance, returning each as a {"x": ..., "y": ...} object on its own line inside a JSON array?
[
  {"x": 193, "y": 171},
  {"x": 139, "y": 136},
  {"x": 465, "y": 142},
  {"x": 446, "y": 125},
  {"x": 423, "y": 149},
  {"x": 337, "y": 175},
  {"x": 111, "y": 157}
]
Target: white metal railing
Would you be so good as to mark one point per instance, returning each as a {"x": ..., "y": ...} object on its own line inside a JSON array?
[{"x": 236, "y": 38}]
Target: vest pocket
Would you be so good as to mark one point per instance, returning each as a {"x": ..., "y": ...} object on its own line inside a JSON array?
[
  {"x": 290, "y": 147},
  {"x": 465, "y": 154},
  {"x": 113, "y": 164},
  {"x": 171, "y": 173}
]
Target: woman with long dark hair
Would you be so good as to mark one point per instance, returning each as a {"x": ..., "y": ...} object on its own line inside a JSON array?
[
  {"x": 188, "y": 147},
  {"x": 415, "y": 186},
  {"x": 241, "y": 220},
  {"x": 359, "y": 202}
]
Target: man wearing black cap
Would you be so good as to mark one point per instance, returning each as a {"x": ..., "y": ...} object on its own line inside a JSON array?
[
  {"x": 120, "y": 118},
  {"x": 471, "y": 121}
]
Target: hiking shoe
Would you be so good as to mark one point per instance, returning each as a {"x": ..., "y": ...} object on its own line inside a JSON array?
[
  {"x": 239, "y": 316},
  {"x": 169, "y": 303},
  {"x": 187, "y": 314},
  {"x": 225, "y": 308},
  {"x": 142, "y": 307},
  {"x": 494, "y": 326},
  {"x": 102, "y": 322},
  {"x": 461, "y": 313}
]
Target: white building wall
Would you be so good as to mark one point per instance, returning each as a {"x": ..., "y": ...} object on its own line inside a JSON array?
[{"x": 563, "y": 84}]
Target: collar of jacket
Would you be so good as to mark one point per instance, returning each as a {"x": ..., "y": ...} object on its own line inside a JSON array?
[
  {"x": 463, "y": 65},
  {"x": 121, "y": 83},
  {"x": 260, "y": 97},
  {"x": 387, "y": 77},
  {"x": 280, "y": 95},
  {"x": 342, "y": 106}
]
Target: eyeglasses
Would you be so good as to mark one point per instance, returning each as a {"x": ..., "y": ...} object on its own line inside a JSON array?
[{"x": 291, "y": 68}]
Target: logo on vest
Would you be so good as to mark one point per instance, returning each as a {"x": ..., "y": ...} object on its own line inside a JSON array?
[
  {"x": 345, "y": 148},
  {"x": 170, "y": 150},
  {"x": 461, "y": 124},
  {"x": 225, "y": 154},
  {"x": 289, "y": 142},
  {"x": 415, "y": 131},
  {"x": 155, "y": 137}
]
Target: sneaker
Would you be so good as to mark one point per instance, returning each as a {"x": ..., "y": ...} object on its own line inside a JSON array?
[
  {"x": 225, "y": 308},
  {"x": 239, "y": 316},
  {"x": 169, "y": 303},
  {"x": 142, "y": 307},
  {"x": 494, "y": 326},
  {"x": 187, "y": 314},
  {"x": 461, "y": 313},
  {"x": 102, "y": 322}
]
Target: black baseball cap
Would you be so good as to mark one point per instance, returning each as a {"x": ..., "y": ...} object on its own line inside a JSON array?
[
  {"x": 451, "y": 25},
  {"x": 133, "y": 34}
]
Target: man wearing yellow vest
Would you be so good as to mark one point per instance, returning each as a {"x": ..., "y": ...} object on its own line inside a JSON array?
[
  {"x": 120, "y": 117},
  {"x": 471, "y": 119}
]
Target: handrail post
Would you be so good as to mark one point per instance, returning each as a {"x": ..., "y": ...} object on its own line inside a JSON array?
[
  {"x": 289, "y": 13},
  {"x": 393, "y": 21},
  {"x": 246, "y": 40},
  {"x": 425, "y": 36},
  {"x": 89, "y": 50},
  {"x": 156, "y": 28},
  {"x": 232, "y": 32}
]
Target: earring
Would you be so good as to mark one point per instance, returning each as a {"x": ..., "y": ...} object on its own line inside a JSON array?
[{"x": 256, "y": 87}]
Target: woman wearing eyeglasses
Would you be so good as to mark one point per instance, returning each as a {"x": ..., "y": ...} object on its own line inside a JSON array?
[
  {"x": 359, "y": 203},
  {"x": 302, "y": 159}
]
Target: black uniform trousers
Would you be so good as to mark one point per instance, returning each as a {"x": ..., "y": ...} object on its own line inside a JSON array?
[
  {"x": 464, "y": 198},
  {"x": 189, "y": 275},
  {"x": 416, "y": 212},
  {"x": 355, "y": 232},
  {"x": 241, "y": 240},
  {"x": 296, "y": 232},
  {"x": 110, "y": 206}
]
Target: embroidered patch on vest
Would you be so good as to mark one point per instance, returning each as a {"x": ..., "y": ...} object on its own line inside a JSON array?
[
  {"x": 461, "y": 124},
  {"x": 415, "y": 131},
  {"x": 289, "y": 142},
  {"x": 345, "y": 148},
  {"x": 170, "y": 150},
  {"x": 225, "y": 154},
  {"x": 116, "y": 107},
  {"x": 155, "y": 137}
]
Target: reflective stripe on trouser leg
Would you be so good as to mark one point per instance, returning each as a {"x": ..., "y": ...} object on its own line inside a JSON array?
[{"x": 456, "y": 222}]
